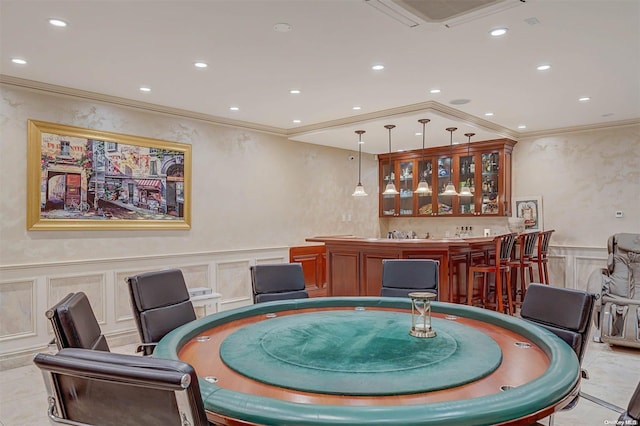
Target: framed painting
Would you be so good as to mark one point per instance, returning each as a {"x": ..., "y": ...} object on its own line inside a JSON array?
[
  {"x": 529, "y": 209},
  {"x": 82, "y": 179}
]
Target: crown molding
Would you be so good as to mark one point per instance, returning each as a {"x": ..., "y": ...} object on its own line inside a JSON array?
[
  {"x": 429, "y": 106},
  {"x": 422, "y": 107},
  {"x": 584, "y": 128},
  {"x": 146, "y": 106}
]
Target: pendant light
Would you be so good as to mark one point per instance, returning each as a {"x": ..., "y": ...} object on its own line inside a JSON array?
[
  {"x": 450, "y": 189},
  {"x": 465, "y": 191},
  {"x": 423, "y": 186},
  {"x": 390, "y": 189},
  {"x": 359, "y": 192}
]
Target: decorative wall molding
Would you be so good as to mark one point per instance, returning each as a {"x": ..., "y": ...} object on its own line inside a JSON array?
[
  {"x": 428, "y": 106},
  {"x": 27, "y": 291}
]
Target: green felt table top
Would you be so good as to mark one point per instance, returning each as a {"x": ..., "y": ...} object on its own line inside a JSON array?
[
  {"x": 357, "y": 352},
  {"x": 560, "y": 378}
]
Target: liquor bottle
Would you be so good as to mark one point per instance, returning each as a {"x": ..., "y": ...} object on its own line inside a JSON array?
[{"x": 472, "y": 167}]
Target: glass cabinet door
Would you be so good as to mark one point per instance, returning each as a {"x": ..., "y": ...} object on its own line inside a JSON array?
[
  {"x": 425, "y": 200},
  {"x": 445, "y": 202},
  {"x": 490, "y": 178},
  {"x": 466, "y": 179},
  {"x": 406, "y": 188},
  {"x": 388, "y": 202}
]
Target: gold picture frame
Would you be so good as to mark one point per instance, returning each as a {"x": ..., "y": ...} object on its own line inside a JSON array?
[{"x": 83, "y": 179}]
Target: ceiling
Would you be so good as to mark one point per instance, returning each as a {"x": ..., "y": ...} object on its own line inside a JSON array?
[{"x": 112, "y": 48}]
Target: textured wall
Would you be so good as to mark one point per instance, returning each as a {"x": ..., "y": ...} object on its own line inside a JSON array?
[
  {"x": 250, "y": 190},
  {"x": 584, "y": 178}
]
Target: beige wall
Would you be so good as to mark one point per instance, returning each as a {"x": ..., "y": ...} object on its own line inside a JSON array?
[
  {"x": 249, "y": 189},
  {"x": 584, "y": 178},
  {"x": 256, "y": 194}
]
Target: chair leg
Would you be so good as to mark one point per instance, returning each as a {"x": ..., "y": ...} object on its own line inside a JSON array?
[
  {"x": 470, "y": 287},
  {"x": 541, "y": 272},
  {"x": 499, "y": 303},
  {"x": 546, "y": 272},
  {"x": 509, "y": 295}
]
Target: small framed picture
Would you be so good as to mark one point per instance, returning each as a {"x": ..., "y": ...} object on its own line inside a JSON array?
[{"x": 529, "y": 209}]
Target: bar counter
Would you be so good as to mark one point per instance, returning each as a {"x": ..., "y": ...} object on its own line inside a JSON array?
[{"x": 354, "y": 264}]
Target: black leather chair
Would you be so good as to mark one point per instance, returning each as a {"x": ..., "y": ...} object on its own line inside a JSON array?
[
  {"x": 93, "y": 387},
  {"x": 278, "y": 281},
  {"x": 75, "y": 325},
  {"x": 403, "y": 276},
  {"x": 564, "y": 312},
  {"x": 160, "y": 303}
]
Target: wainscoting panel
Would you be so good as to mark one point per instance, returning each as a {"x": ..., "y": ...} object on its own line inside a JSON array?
[
  {"x": 572, "y": 266},
  {"x": 18, "y": 307},
  {"x": 93, "y": 285},
  {"x": 27, "y": 291},
  {"x": 234, "y": 282}
]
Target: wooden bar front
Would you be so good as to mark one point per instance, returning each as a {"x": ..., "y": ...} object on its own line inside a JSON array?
[{"x": 354, "y": 264}]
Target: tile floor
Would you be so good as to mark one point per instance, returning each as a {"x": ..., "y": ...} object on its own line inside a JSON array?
[{"x": 614, "y": 373}]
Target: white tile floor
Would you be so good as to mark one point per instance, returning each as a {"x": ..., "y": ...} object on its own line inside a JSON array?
[{"x": 614, "y": 373}]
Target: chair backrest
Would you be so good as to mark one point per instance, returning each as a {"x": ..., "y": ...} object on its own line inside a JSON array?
[
  {"x": 565, "y": 312},
  {"x": 75, "y": 325},
  {"x": 504, "y": 247},
  {"x": 543, "y": 243},
  {"x": 403, "y": 276},
  {"x": 528, "y": 242},
  {"x": 277, "y": 281},
  {"x": 86, "y": 386},
  {"x": 160, "y": 303}
]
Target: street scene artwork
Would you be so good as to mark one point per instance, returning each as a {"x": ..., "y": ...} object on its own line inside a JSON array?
[{"x": 102, "y": 178}]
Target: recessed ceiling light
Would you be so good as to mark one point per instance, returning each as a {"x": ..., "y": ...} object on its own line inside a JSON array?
[
  {"x": 234, "y": 108},
  {"x": 460, "y": 101},
  {"x": 19, "y": 61},
  {"x": 543, "y": 67},
  {"x": 145, "y": 89},
  {"x": 584, "y": 99},
  {"x": 434, "y": 91},
  {"x": 294, "y": 91},
  {"x": 418, "y": 133},
  {"x": 57, "y": 22},
  {"x": 356, "y": 108},
  {"x": 200, "y": 64},
  {"x": 522, "y": 126},
  {"x": 297, "y": 121},
  {"x": 497, "y": 32},
  {"x": 488, "y": 114},
  {"x": 282, "y": 27},
  {"x": 377, "y": 67}
]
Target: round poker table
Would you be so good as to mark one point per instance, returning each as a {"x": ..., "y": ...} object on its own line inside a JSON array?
[{"x": 351, "y": 361}]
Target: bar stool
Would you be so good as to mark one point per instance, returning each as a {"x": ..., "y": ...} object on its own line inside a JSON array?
[
  {"x": 541, "y": 259},
  {"x": 525, "y": 244},
  {"x": 499, "y": 266}
]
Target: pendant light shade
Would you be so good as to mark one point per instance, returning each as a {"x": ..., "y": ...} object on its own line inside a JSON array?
[
  {"x": 423, "y": 186},
  {"x": 450, "y": 189},
  {"x": 465, "y": 191},
  {"x": 359, "y": 191},
  {"x": 390, "y": 189}
]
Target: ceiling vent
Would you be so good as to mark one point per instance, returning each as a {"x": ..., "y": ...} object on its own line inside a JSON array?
[{"x": 447, "y": 12}]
